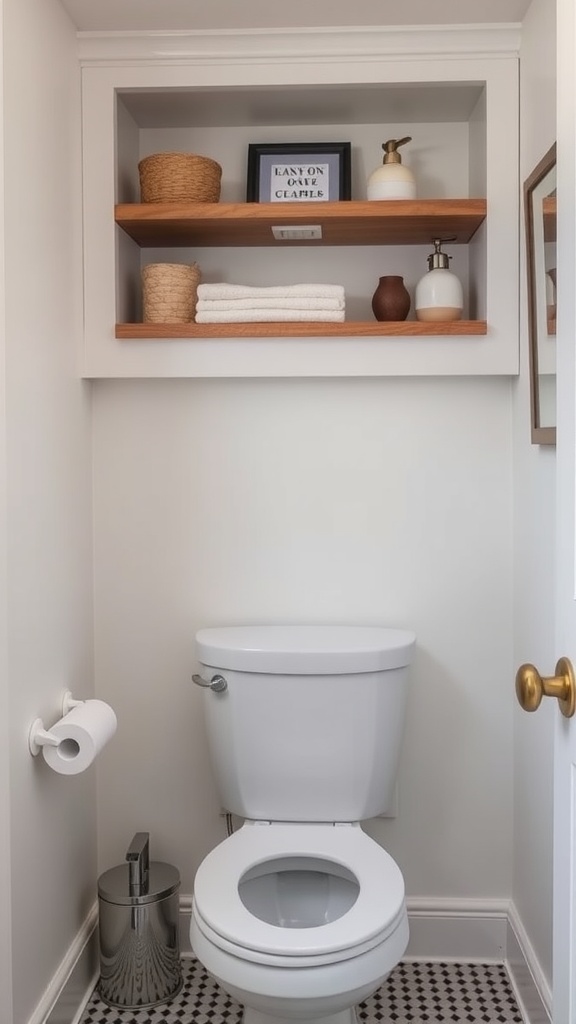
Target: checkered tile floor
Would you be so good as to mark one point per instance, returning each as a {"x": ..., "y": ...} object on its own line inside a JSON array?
[{"x": 415, "y": 993}]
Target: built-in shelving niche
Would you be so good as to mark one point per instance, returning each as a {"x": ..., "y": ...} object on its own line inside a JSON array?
[{"x": 455, "y": 112}]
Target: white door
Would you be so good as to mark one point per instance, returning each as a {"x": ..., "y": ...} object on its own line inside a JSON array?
[{"x": 564, "y": 960}]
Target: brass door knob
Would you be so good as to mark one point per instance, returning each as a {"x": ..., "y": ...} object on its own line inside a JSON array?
[{"x": 531, "y": 687}]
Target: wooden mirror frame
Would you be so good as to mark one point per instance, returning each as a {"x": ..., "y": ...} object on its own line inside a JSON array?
[{"x": 539, "y": 434}]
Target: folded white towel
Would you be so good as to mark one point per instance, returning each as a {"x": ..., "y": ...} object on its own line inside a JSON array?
[
  {"x": 205, "y": 305},
  {"x": 244, "y": 291},
  {"x": 228, "y": 316}
]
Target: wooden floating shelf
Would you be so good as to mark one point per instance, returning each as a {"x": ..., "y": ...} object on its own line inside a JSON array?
[
  {"x": 298, "y": 329},
  {"x": 391, "y": 222}
]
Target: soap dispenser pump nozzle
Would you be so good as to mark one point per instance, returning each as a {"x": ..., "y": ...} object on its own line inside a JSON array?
[
  {"x": 439, "y": 260},
  {"x": 391, "y": 154}
]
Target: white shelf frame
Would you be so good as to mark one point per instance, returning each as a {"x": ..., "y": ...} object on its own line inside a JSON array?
[{"x": 218, "y": 60}]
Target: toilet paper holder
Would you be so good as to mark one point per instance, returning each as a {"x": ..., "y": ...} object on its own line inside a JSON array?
[{"x": 39, "y": 737}]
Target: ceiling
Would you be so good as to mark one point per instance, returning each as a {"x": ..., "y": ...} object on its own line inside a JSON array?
[{"x": 173, "y": 15}]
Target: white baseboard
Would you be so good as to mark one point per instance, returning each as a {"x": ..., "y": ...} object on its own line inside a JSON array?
[
  {"x": 464, "y": 931},
  {"x": 71, "y": 986},
  {"x": 530, "y": 984},
  {"x": 457, "y": 929}
]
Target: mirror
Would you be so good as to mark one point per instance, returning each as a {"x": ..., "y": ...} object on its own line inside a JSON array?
[{"x": 540, "y": 220}]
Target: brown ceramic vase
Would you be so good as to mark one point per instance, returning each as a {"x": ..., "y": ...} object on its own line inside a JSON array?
[{"x": 391, "y": 300}]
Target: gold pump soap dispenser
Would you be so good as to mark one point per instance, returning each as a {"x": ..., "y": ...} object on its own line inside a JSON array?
[
  {"x": 392, "y": 180},
  {"x": 439, "y": 293}
]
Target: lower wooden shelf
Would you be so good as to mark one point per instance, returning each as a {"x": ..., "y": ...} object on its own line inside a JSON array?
[{"x": 308, "y": 329}]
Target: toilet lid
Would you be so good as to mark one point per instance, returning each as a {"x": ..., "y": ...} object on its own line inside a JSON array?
[{"x": 379, "y": 902}]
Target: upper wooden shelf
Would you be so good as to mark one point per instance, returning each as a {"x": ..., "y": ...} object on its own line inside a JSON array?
[{"x": 391, "y": 222}]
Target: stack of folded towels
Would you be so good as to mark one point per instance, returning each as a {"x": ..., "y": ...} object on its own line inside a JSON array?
[{"x": 237, "y": 303}]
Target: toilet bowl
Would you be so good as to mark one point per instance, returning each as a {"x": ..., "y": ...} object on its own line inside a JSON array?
[
  {"x": 299, "y": 915},
  {"x": 299, "y": 921}
]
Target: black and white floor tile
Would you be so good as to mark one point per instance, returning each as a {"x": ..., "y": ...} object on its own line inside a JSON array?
[{"x": 415, "y": 993}]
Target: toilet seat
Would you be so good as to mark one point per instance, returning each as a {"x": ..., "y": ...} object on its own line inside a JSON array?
[{"x": 377, "y": 911}]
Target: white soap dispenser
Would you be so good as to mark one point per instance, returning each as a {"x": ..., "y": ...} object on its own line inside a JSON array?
[
  {"x": 439, "y": 293},
  {"x": 392, "y": 180}
]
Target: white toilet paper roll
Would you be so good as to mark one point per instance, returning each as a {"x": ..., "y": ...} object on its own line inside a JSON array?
[{"x": 81, "y": 733}]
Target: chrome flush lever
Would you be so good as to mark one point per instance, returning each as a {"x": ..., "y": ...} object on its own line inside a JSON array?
[{"x": 218, "y": 684}]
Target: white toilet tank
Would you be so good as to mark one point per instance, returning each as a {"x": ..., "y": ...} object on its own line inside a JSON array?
[{"x": 310, "y": 724}]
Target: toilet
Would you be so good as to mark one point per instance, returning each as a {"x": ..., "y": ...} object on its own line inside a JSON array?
[{"x": 299, "y": 914}]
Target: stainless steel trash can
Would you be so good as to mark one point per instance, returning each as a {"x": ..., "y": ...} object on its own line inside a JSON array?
[{"x": 138, "y": 926}]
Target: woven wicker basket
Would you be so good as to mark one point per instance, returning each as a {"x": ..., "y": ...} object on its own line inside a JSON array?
[
  {"x": 179, "y": 178},
  {"x": 169, "y": 292}
]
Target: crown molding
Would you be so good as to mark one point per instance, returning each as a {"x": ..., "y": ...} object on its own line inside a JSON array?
[{"x": 300, "y": 45}]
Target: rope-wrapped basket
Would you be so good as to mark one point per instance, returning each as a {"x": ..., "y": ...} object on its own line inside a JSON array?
[
  {"x": 169, "y": 292},
  {"x": 179, "y": 178}
]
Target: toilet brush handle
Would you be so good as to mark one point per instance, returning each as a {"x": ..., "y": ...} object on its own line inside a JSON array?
[{"x": 218, "y": 684}]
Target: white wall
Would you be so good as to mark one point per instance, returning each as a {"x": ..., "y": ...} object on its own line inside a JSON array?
[
  {"x": 5, "y": 898},
  {"x": 294, "y": 500},
  {"x": 534, "y": 538},
  {"x": 51, "y": 828}
]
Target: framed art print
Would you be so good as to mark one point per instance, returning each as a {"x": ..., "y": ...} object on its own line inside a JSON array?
[{"x": 309, "y": 172}]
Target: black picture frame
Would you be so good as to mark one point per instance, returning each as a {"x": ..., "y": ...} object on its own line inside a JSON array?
[{"x": 325, "y": 177}]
